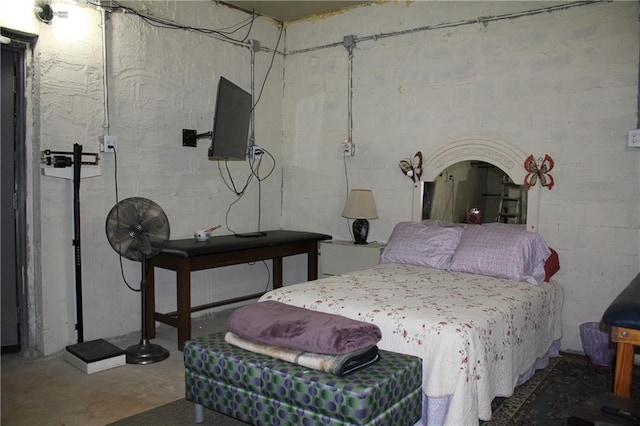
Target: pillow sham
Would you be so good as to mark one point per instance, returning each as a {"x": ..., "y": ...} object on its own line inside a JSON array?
[
  {"x": 551, "y": 265},
  {"x": 413, "y": 243},
  {"x": 509, "y": 252}
]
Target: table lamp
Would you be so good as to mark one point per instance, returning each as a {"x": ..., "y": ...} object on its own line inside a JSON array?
[{"x": 361, "y": 207}]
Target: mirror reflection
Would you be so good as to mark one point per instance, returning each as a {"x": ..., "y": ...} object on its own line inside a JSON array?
[{"x": 474, "y": 192}]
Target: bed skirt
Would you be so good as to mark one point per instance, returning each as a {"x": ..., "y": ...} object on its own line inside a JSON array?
[{"x": 434, "y": 409}]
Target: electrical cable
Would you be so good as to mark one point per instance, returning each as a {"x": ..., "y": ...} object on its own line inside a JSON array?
[
  {"x": 349, "y": 125},
  {"x": 350, "y": 96},
  {"x": 444, "y": 25},
  {"x": 226, "y": 218},
  {"x": 105, "y": 82},
  {"x": 275, "y": 49},
  {"x": 268, "y": 276},
  {"x": 165, "y": 23},
  {"x": 115, "y": 176},
  {"x": 346, "y": 178},
  {"x": 264, "y": 262},
  {"x": 254, "y": 171},
  {"x": 107, "y": 126}
]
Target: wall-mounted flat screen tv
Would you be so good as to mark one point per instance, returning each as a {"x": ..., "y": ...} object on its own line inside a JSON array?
[{"x": 230, "y": 122}]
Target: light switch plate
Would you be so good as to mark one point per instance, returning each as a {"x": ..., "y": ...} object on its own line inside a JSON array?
[{"x": 634, "y": 138}]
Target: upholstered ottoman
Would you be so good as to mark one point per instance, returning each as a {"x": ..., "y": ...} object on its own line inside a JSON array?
[{"x": 261, "y": 390}]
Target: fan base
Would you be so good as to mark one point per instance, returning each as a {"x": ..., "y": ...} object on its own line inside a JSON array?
[{"x": 145, "y": 353}]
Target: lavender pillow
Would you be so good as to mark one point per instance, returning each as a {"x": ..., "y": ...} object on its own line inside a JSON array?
[
  {"x": 509, "y": 252},
  {"x": 416, "y": 244}
]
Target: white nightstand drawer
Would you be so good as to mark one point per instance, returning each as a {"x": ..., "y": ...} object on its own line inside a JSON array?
[{"x": 339, "y": 257}]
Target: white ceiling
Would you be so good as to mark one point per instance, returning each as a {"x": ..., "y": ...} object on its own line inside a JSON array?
[{"x": 292, "y": 10}]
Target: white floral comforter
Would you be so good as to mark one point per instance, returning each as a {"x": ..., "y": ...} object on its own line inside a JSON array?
[{"x": 475, "y": 334}]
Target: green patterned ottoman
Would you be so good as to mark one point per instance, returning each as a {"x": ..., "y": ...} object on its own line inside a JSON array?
[{"x": 261, "y": 390}]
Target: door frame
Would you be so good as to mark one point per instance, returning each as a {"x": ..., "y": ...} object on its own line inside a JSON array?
[{"x": 27, "y": 193}]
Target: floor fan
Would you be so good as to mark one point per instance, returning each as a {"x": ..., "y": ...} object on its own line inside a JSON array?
[{"x": 137, "y": 229}]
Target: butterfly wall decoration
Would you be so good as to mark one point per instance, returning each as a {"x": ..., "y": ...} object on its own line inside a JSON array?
[
  {"x": 538, "y": 170},
  {"x": 412, "y": 168}
]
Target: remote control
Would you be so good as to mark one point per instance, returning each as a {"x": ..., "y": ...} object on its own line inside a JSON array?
[{"x": 620, "y": 413}]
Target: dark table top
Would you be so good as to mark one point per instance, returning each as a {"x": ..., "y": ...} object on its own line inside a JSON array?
[{"x": 190, "y": 247}]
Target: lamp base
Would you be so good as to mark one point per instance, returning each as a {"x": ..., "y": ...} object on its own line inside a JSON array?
[
  {"x": 360, "y": 231},
  {"x": 145, "y": 353}
]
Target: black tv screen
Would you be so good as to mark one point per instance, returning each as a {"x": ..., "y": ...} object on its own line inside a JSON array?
[{"x": 230, "y": 122}]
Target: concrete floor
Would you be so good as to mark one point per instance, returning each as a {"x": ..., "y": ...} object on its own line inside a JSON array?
[{"x": 53, "y": 392}]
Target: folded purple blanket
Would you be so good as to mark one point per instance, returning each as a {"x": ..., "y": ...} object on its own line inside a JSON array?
[{"x": 279, "y": 324}]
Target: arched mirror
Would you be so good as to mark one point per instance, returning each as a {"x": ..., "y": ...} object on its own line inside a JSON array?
[
  {"x": 474, "y": 191},
  {"x": 473, "y": 173}
]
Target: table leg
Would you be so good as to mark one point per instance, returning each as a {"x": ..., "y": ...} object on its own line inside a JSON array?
[
  {"x": 277, "y": 272},
  {"x": 624, "y": 370},
  {"x": 312, "y": 262},
  {"x": 183, "y": 299},
  {"x": 150, "y": 303}
]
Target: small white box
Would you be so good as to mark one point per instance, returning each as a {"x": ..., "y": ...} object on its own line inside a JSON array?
[{"x": 94, "y": 356}]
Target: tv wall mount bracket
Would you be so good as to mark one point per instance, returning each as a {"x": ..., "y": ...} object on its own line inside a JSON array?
[{"x": 190, "y": 137}]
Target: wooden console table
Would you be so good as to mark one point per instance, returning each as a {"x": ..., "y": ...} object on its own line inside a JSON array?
[{"x": 187, "y": 255}]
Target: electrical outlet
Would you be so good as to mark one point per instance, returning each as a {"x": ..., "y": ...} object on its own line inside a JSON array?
[
  {"x": 110, "y": 143},
  {"x": 347, "y": 149},
  {"x": 634, "y": 138},
  {"x": 255, "y": 152}
]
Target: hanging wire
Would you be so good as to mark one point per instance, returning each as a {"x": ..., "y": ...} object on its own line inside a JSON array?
[
  {"x": 254, "y": 165},
  {"x": 223, "y": 33},
  {"x": 115, "y": 177},
  {"x": 107, "y": 129},
  {"x": 275, "y": 50}
]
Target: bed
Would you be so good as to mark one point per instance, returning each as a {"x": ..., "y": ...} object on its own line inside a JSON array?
[
  {"x": 477, "y": 303},
  {"x": 478, "y": 336}
]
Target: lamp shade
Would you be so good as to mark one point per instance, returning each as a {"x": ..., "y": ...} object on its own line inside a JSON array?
[{"x": 360, "y": 205}]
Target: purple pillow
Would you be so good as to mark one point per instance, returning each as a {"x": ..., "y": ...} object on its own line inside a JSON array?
[
  {"x": 416, "y": 244},
  {"x": 509, "y": 252}
]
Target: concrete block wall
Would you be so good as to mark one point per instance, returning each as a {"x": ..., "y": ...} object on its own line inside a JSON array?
[
  {"x": 159, "y": 82},
  {"x": 562, "y": 83}
]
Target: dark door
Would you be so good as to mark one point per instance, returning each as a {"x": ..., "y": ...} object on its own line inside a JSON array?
[{"x": 11, "y": 83}]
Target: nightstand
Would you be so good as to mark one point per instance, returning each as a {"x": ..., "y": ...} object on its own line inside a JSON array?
[{"x": 339, "y": 257}]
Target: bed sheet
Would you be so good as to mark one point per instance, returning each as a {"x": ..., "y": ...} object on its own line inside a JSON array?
[{"x": 475, "y": 334}]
